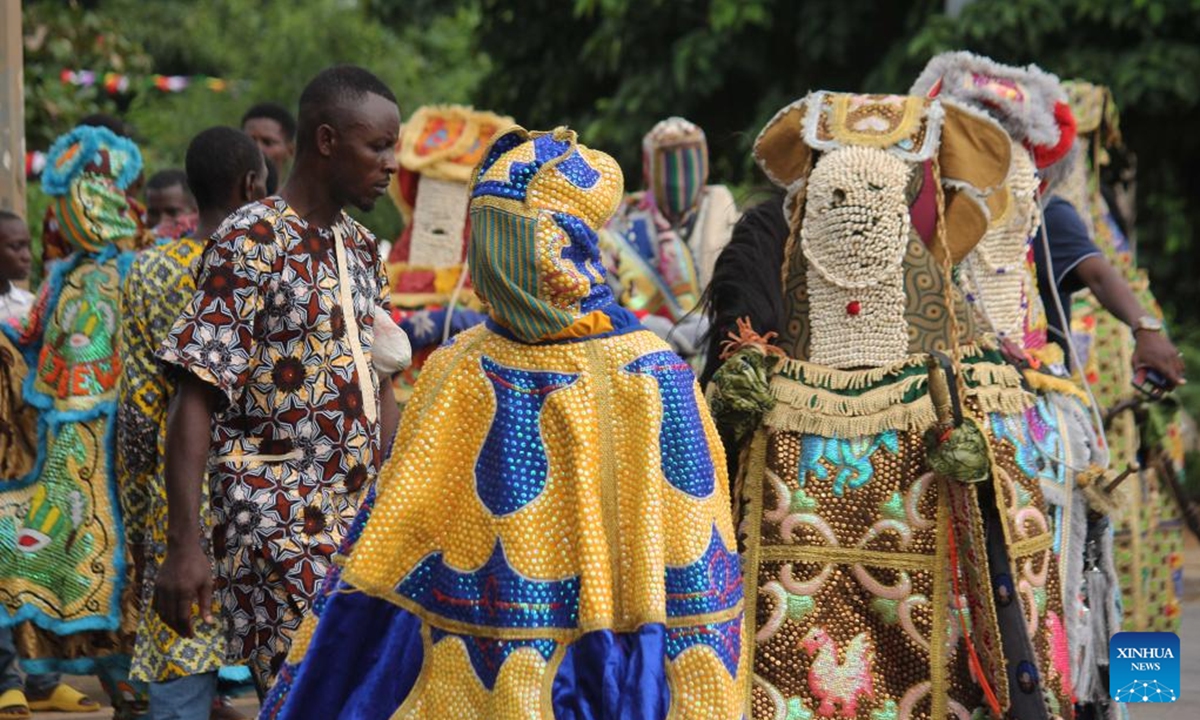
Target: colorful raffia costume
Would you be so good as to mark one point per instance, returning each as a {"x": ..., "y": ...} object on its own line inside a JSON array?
[
  {"x": 1149, "y": 539},
  {"x": 63, "y": 560},
  {"x": 160, "y": 284},
  {"x": 1000, "y": 282},
  {"x": 661, "y": 245},
  {"x": 552, "y": 535},
  {"x": 432, "y": 296},
  {"x": 899, "y": 551}
]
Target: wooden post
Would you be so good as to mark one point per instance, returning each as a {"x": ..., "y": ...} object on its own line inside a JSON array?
[{"x": 12, "y": 109}]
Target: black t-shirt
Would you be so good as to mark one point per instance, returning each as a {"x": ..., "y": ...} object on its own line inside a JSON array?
[{"x": 1070, "y": 245}]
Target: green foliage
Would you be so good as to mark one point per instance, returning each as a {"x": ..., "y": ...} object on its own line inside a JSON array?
[
  {"x": 62, "y": 36},
  {"x": 612, "y": 68},
  {"x": 268, "y": 50}
]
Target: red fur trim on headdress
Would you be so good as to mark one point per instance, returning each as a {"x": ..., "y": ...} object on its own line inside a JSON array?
[{"x": 1045, "y": 156}]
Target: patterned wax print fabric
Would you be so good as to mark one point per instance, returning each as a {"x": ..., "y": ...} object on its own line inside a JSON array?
[
  {"x": 885, "y": 581},
  {"x": 159, "y": 287},
  {"x": 281, "y": 325},
  {"x": 551, "y": 536}
]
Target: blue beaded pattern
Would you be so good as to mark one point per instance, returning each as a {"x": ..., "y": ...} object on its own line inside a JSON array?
[
  {"x": 545, "y": 148},
  {"x": 584, "y": 254},
  {"x": 488, "y": 655},
  {"x": 724, "y": 638},
  {"x": 510, "y": 471},
  {"x": 711, "y": 584},
  {"x": 683, "y": 446},
  {"x": 495, "y": 595}
]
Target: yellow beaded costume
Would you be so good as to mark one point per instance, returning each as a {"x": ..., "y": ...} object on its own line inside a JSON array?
[{"x": 552, "y": 535}]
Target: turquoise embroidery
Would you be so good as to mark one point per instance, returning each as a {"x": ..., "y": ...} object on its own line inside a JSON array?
[{"x": 849, "y": 459}]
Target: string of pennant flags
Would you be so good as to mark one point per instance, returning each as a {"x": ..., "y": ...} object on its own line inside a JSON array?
[{"x": 118, "y": 83}]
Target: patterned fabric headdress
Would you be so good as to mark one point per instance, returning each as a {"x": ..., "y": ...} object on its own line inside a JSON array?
[
  {"x": 1029, "y": 102},
  {"x": 536, "y": 203},
  {"x": 87, "y": 173},
  {"x": 675, "y": 163}
]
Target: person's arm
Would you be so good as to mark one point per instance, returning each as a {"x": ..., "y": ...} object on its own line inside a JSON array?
[
  {"x": 186, "y": 575},
  {"x": 1153, "y": 349},
  {"x": 389, "y": 419}
]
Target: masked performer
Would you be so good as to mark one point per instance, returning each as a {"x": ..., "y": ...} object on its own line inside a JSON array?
[
  {"x": 1148, "y": 540},
  {"x": 661, "y": 245},
  {"x": 62, "y": 547},
  {"x": 552, "y": 535},
  {"x": 900, "y": 553}
]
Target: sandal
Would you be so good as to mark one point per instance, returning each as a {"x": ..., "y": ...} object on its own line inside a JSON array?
[
  {"x": 14, "y": 705},
  {"x": 65, "y": 698}
]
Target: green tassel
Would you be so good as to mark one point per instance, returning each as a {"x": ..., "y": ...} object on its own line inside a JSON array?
[{"x": 742, "y": 393}]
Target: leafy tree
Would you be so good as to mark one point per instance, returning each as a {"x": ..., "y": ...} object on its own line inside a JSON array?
[
  {"x": 65, "y": 36},
  {"x": 266, "y": 49},
  {"x": 612, "y": 68}
]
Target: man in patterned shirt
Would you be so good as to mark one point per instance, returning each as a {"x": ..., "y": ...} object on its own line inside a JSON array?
[
  {"x": 225, "y": 170},
  {"x": 276, "y": 347}
]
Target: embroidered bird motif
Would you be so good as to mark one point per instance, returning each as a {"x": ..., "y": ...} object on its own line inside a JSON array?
[{"x": 839, "y": 684}]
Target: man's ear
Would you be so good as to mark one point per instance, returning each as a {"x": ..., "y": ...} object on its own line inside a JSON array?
[
  {"x": 246, "y": 188},
  {"x": 326, "y": 139}
]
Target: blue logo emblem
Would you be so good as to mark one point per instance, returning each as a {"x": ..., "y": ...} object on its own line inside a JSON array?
[{"x": 1144, "y": 667}]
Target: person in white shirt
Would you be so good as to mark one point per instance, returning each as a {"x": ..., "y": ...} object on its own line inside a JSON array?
[{"x": 16, "y": 259}]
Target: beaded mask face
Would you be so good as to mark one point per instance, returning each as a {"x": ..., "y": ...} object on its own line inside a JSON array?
[
  {"x": 536, "y": 204},
  {"x": 87, "y": 172},
  {"x": 675, "y": 163},
  {"x": 856, "y": 219},
  {"x": 864, "y": 290}
]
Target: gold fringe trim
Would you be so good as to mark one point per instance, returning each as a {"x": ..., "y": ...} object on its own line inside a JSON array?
[
  {"x": 807, "y": 398},
  {"x": 834, "y": 379},
  {"x": 1006, "y": 401},
  {"x": 986, "y": 374},
  {"x": 816, "y": 410},
  {"x": 916, "y": 416},
  {"x": 1043, "y": 383}
]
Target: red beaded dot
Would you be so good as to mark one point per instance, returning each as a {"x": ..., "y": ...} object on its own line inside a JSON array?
[{"x": 854, "y": 307}]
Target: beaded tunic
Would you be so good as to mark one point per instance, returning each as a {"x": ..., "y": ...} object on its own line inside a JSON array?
[{"x": 552, "y": 531}]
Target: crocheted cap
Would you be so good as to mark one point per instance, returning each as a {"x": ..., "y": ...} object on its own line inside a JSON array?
[
  {"x": 1029, "y": 102},
  {"x": 87, "y": 172},
  {"x": 675, "y": 166},
  {"x": 537, "y": 202}
]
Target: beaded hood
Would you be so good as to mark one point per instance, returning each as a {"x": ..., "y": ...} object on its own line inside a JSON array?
[
  {"x": 87, "y": 172},
  {"x": 675, "y": 165},
  {"x": 537, "y": 202}
]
